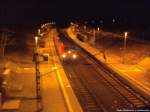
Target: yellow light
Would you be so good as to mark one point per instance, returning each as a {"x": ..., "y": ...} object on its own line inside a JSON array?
[
  {"x": 36, "y": 40},
  {"x": 39, "y": 31},
  {"x": 64, "y": 55},
  {"x": 125, "y": 34},
  {"x": 84, "y": 26},
  {"x": 74, "y": 56},
  {"x": 69, "y": 52}
]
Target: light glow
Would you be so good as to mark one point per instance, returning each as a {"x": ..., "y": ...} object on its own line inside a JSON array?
[
  {"x": 64, "y": 55},
  {"x": 69, "y": 52},
  {"x": 125, "y": 34},
  {"x": 74, "y": 56}
]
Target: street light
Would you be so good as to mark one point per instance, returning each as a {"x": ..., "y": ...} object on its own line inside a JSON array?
[
  {"x": 113, "y": 21},
  {"x": 39, "y": 31},
  {"x": 125, "y": 39},
  {"x": 125, "y": 44},
  {"x": 71, "y": 23},
  {"x": 85, "y": 27},
  {"x": 94, "y": 36},
  {"x": 36, "y": 42}
]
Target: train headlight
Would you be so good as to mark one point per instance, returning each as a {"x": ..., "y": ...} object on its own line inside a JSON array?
[
  {"x": 69, "y": 52},
  {"x": 64, "y": 55},
  {"x": 74, "y": 56}
]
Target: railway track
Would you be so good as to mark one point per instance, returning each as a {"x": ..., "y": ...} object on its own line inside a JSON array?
[
  {"x": 84, "y": 95},
  {"x": 89, "y": 97},
  {"x": 134, "y": 99}
]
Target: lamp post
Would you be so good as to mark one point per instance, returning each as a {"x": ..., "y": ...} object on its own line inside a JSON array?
[
  {"x": 98, "y": 29},
  {"x": 93, "y": 38},
  {"x": 125, "y": 44},
  {"x": 84, "y": 27},
  {"x": 36, "y": 41},
  {"x": 36, "y": 44}
]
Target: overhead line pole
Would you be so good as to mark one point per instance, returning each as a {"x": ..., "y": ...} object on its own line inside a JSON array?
[{"x": 37, "y": 71}]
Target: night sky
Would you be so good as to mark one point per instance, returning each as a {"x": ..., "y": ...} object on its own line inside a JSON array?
[{"x": 22, "y": 13}]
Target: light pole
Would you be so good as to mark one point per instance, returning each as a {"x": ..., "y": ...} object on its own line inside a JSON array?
[
  {"x": 84, "y": 27},
  {"x": 36, "y": 44},
  {"x": 125, "y": 44},
  {"x": 3, "y": 43},
  {"x": 36, "y": 41},
  {"x": 94, "y": 36},
  {"x": 98, "y": 29}
]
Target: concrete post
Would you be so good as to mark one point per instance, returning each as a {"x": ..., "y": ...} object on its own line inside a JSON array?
[
  {"x": 92, "y": 40},
  {"x": 0, "y": 101}
]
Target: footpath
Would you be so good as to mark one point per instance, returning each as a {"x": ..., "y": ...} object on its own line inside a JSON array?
[
  {"x": 57, "y": 94},
  {"x": 20, "y": 88},
  {"x": 136, "y": 75}
]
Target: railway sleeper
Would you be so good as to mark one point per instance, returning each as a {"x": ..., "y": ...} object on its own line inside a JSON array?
[
  {"x": 137, "y": 103},
  {"x": 113, "y": 82},
  {"x": 91, "y": 106},
  {"x": 139, "y": 99}
]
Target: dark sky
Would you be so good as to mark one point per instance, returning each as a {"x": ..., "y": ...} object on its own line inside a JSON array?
[{"x": 21, "y": 12}]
